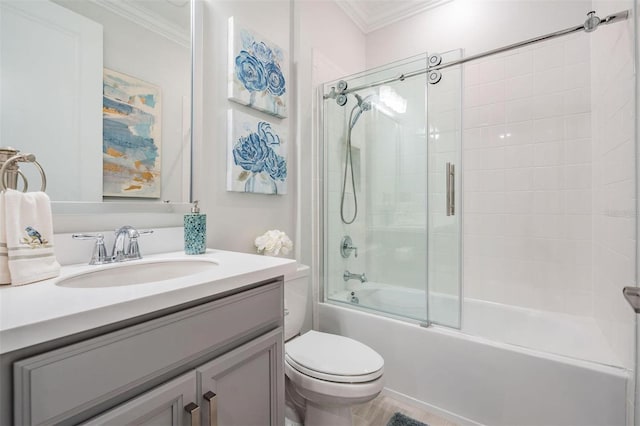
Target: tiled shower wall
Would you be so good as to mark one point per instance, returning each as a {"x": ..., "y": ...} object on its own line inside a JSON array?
[
  {"x": 614, "y": 204},
  {"x": 527, "y": 162}
]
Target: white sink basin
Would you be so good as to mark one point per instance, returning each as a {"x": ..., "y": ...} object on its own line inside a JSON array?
[{"x": 139, "y": 272}]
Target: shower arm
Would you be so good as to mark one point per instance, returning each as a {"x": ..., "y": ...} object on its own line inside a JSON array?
[{"x": 610, "y": 19}]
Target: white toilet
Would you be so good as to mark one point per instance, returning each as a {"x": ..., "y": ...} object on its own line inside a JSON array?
[{"x": 325, "y": 373}]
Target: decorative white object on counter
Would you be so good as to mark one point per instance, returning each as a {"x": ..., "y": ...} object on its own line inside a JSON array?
[{"x": 274, "y": 243}]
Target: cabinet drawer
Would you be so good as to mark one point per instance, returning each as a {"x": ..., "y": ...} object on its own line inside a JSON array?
[{"x": 58, "y": 384}]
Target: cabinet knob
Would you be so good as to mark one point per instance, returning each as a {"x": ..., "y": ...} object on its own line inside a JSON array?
[
  {"x": 194, "y": 411},
  {"x": 213, "y": 408}
]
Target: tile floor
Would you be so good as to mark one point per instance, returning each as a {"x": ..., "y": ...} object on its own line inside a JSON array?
[{"x": 379, "y": 411}]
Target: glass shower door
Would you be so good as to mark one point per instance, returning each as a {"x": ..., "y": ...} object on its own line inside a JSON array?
[{"x": 377, "y": 182}]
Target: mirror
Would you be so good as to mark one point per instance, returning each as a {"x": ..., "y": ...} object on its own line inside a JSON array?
[{"x": 53, "y": 55}]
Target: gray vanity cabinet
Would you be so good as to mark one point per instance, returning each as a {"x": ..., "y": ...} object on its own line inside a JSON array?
[
  {"x": 161, "y": 406},
  {"x": 238, "y": 388},
  {"x": 245, "y": 383},
  {"x": 147, "y": 373}
]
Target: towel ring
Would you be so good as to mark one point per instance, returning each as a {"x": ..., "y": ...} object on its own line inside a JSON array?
[{"x": 24, "y": 158}]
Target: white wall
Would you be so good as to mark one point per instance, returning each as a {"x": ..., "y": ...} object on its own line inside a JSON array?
[
  {"x": 328, "y": 46},
  {"x": 474, "y": 25},
  {"x": 322, "y": 55},
  {"x": 236, "y": 219}
]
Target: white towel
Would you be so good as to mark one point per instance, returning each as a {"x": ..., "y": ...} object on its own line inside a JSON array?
[
  {"x": 5, "y": 277},
  {"x": 29, "y": 228}
]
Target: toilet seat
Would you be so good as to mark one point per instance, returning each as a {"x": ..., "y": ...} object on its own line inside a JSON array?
[{"x": 333, "y": 358}]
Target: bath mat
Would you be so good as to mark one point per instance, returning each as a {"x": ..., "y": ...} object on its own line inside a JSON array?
[{"x": 399, "y": 419}]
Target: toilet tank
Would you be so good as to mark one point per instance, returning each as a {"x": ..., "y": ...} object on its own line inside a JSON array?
[{"x": 296, "y": 290}]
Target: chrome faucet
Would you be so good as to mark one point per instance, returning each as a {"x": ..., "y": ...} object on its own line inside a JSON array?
[
  {"x": 121, "y": 252},
  {"x": 349, "y": 276}
]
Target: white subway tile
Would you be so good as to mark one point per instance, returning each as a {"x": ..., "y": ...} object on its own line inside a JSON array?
[
  {"x": 519, "y": 133},
  {"x": 519, "y": 87},
  {"x": 578, "y": 177},
  {"x": 547, "y": 106},
  {"x": 548, "y": 81},
  {"x": 519, "y": 110},
  {"x": 518, "y": 156},
  {"x": 577, "y": 126},
  {"x": 578, "y": 201},
  {"x": 548, "y": 202},
  {"x": 519, "y": 64},
  {"x": 577, "y": 49},
  {"x": 472, "y": 97},
  {"x": 578, "y": 151},
  {"x": 577, "y": 76},
  {"x": 471, "y": 74},
  {"x": 518, "y": 202},
  {"x": 472, "y": 138},
  {"x": 548, "y": 129},
  {"x": 577, "y": 101},
  {"x": 578, "y": 227},
  {"x": 549, "y": 154},
  {"x": 491, "y": 70},
  {"x": 548, "y": 56},
  {"x": 519, "y": 179},
  {"x": 493, "y": 136},
  {"x": 517, "y": 225},
  {"x": 548, "y": 178},
  {"x": 490, "y": 158}
]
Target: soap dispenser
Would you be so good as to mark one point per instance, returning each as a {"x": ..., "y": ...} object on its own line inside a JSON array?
[{"x": 195, "y": 231}]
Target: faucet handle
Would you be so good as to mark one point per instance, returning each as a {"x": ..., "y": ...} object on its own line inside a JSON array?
[
  {"x": 99, "y": 255},
  {"x": 134, "y": 249}
]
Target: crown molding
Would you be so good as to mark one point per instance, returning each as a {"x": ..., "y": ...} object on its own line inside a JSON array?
[
  {"x": 147, "y": 19},
  {"x": 369, "y": 20}
]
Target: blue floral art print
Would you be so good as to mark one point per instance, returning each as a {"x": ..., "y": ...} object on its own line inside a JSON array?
[
  {"x": 257, "y": 160},
  {"x": 256, "y": 71}
]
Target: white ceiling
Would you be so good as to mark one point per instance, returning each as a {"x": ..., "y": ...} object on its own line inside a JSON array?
[{"x": 371, "y": 15}]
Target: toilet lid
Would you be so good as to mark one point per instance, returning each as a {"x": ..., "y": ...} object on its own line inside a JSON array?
[{"x": 334, "y": 358}]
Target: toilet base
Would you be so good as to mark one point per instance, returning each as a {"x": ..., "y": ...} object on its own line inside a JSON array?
[{"x": 336, "y": 415}]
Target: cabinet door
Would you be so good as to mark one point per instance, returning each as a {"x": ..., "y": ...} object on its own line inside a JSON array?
[
  {"x": 247, "y": 384},
  {"x": 165, "y": 405}
]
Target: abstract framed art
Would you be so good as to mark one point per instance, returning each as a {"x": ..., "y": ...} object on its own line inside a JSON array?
[
  {"x": 257, "y": 155},
  {"x": 258, "y": 74},
  {"x": 131, "y": 136}
]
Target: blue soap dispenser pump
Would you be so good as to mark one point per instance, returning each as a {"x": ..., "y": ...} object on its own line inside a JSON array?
[{"x": 195, "y": 231}]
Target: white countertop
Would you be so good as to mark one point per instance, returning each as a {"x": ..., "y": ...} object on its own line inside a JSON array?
[{"x": 43, "y": 311}]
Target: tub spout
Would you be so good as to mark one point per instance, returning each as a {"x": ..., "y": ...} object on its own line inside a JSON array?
[{"x": 349, "y": 276}]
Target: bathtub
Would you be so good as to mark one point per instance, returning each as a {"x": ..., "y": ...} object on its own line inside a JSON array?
[{"x": 487, "y": 373}]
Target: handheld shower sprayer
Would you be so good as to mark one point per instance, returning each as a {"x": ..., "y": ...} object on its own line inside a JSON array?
[{"x": 363, "y": 105}]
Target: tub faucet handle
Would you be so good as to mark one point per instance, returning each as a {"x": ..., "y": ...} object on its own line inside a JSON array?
[{"x": 346, "y": 247}]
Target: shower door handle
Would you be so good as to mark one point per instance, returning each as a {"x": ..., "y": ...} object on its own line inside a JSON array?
[{"x": 451, "y": 189}]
